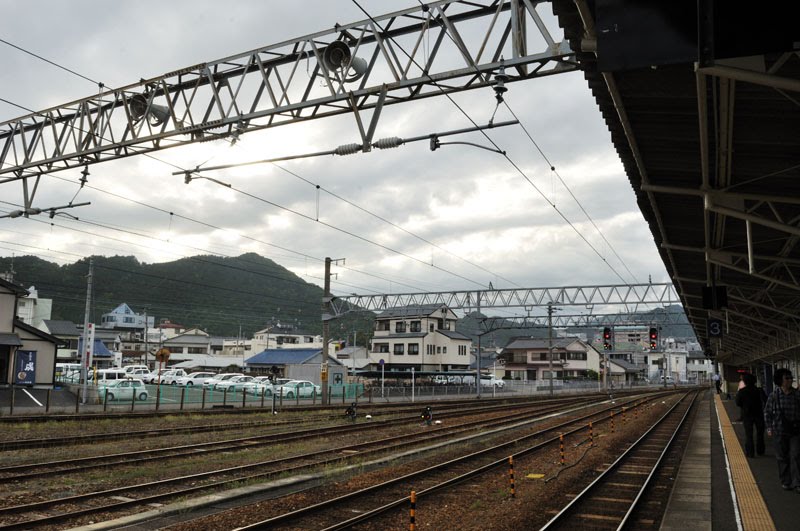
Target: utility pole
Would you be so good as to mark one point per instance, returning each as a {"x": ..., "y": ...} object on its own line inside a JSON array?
[
  {"x": 146, "y": 346},
  {"x": 478, "y": 363},
  {"x": 86, "y": 354},
  {"x": 550, "y": 342},
  {"x": 326, "y": 327}
]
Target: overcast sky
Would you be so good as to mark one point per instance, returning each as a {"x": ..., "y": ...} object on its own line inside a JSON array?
[{"x": 487, "y": 222}]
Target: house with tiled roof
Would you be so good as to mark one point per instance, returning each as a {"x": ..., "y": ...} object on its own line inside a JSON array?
[
  {"x": 27, "y": 354},
  {"x": 420, "y": 336},
  {"x": 528, "y": 359}
]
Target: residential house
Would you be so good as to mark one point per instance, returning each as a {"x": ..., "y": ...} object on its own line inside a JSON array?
[
  {"x": 123, "y": 317},
  {"x": 284, "y": 336},
  {"x": 622, "y": 372},
  {"x": 68, "y": 333},
  {"x": 423, "y": 337},
  {"x": 527, "y": 359},
  {"x": 191, "y": 342},
  {"x": 27, "y": 354}
]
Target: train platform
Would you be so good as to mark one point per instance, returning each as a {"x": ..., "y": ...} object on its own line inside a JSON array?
[{"x": 718, "y": 488}]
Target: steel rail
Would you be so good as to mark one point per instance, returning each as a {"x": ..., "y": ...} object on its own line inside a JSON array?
[
  {"x": 22, "y": 472},
  {"x": 36, "y": 506},
  {"x": 316, "y": 508},
  {"x": 581, "y": 496}
]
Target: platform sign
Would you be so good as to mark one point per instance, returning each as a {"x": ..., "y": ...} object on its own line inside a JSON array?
[
  {"x": 380, "y": 361},
  {"x": 714, "y": 327},
  {"x": 25, "y": 373}
]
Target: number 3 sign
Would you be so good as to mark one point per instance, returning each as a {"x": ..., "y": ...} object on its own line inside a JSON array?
[{"x": 714, "y": 328}]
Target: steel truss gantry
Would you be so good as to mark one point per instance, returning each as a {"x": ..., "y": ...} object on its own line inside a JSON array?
[
  {"x": 626, "y": 298},
  {"x": 289, "y": 82},
  {"x": 490, "y": 324}
]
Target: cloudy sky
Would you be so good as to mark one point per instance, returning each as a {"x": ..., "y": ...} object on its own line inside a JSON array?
[{"x": 484, "y": 222}]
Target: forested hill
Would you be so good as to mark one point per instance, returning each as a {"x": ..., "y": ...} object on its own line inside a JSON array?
[{"x": 214, "y": 293}]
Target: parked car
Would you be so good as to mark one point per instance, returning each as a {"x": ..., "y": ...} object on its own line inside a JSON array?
[
  {"x": 211, "y": 382},
  {"x": 171, "y": 377},
  {"x": 491, "y": 381},
  {"x": 129, "y": 389},
  {"x": 153, "y": 377},
  {"x": 194, "y": 378},
  {"x": 104, "y": 375},
  {"x": 261, "y": 385},
  {"x": 441, "y": 379},
  {"x": 131, "y": 368},
  {"x": 137, "y": 373},
  {"x": 301, "y": 388},
  {"x": 237, "y": 383}
]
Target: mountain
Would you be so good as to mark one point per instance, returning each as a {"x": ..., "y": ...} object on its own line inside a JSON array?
[{"x": 217, "y": 294}]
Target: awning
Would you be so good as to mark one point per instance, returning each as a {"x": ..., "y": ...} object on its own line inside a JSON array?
[{"x": 10, "y": 340}]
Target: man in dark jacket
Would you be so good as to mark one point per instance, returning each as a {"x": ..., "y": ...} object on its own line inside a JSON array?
[
  {"x": 749, "y": 400},
  {"x": 782, "y": 416}
]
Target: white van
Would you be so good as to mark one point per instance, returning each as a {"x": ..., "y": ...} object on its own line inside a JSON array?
[
  {"x": 104, "y": 375},
  {"x": 131, "y": 368}
]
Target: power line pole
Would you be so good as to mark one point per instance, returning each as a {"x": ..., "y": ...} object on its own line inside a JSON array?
[
  {"x": 326, "y": 327},
  {"x": 146, "y": 346},
  {"x": 550, "y": 342},
  {"x": 478, "y": 363},
  {"x": 86, "y": 353}
]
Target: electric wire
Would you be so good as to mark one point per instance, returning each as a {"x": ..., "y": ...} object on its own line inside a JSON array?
[
  {"x": 328, "y": 225},
  {"x": 555, "y": 172},
  {"x": 216, "y": 227},
  {"x": 98, "y": 83},
  {"x": 502, "y": 152},
  {"x": 381, "y": 218}
]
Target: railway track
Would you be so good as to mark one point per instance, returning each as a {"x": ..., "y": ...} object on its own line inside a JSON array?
[
  {"x": 374, "y": 501},
  {"x": 615, "y": 495},
  {"x": 51, "y": 512},
  {"x": 446, "y": 408},
  {"x": 28, "y": 471}
]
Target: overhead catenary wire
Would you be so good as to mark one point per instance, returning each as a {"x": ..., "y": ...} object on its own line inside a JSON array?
[
  {"x": 569, "y": 190},
  {"x": 505, "y": 154}
]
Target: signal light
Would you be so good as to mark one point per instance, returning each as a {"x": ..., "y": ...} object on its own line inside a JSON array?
[
  {"x": 607, "y": 338},
  {"x": 653, "y": 338}
]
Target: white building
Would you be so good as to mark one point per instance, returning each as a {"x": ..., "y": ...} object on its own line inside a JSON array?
[
  {"x": 124, "y": 317},
  {"x": 33, "y": 310},
  {"x": 528, "y": 359},
  {"x": 423, "y": 337}
]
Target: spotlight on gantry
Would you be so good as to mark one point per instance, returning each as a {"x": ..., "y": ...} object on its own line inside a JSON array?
[{"x": 337, "y": 57}]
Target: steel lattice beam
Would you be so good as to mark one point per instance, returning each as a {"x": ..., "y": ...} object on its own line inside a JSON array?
[
  {"x": 289, "y": 82},
  {"x": 627, "y": 296},
  {"x": 491, "y": 324}
]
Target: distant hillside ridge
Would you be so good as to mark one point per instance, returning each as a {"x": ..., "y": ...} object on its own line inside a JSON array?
[{"x": 217, "y": 294}]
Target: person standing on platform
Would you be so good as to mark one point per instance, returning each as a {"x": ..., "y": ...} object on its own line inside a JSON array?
[
  {"x": 717, "y": 382},
  {"x": 748, "y": 398},
  {"x": 782, "y": 416}
]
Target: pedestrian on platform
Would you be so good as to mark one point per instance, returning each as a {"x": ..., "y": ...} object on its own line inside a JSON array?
[
  {"x": 717, "y": 383},
  {"x": 782, "y": 416},
  {"x": 749, "y": 401}
]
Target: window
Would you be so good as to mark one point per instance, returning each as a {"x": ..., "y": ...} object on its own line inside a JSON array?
[
  {"x": 444, "y": 350},
  {"x": 430, "y": 349},
  {"x": 382, "y": 326},
  {"x": 431, "y": 327},
  {"x": 413, "y": 349},
  {"x": 381, "y": 347},
  {"x": 462, "y": 350},
  {"x": 400, "y": 327},
  {"x": 543, "y": 356},
  {"x": 398, "y": 349},
  {"x": 416, "y": 326},
  {"x": 128, "y": 320},
  {"x": 196, "y": 350},
  {"x": 576, "y": 356},
  {"x": 438, "y": 350}
]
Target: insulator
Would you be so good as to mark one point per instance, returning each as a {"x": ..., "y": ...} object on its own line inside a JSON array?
[
  {"x": 348, "y": 149},
  {"x": 388, "y": 143}
]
